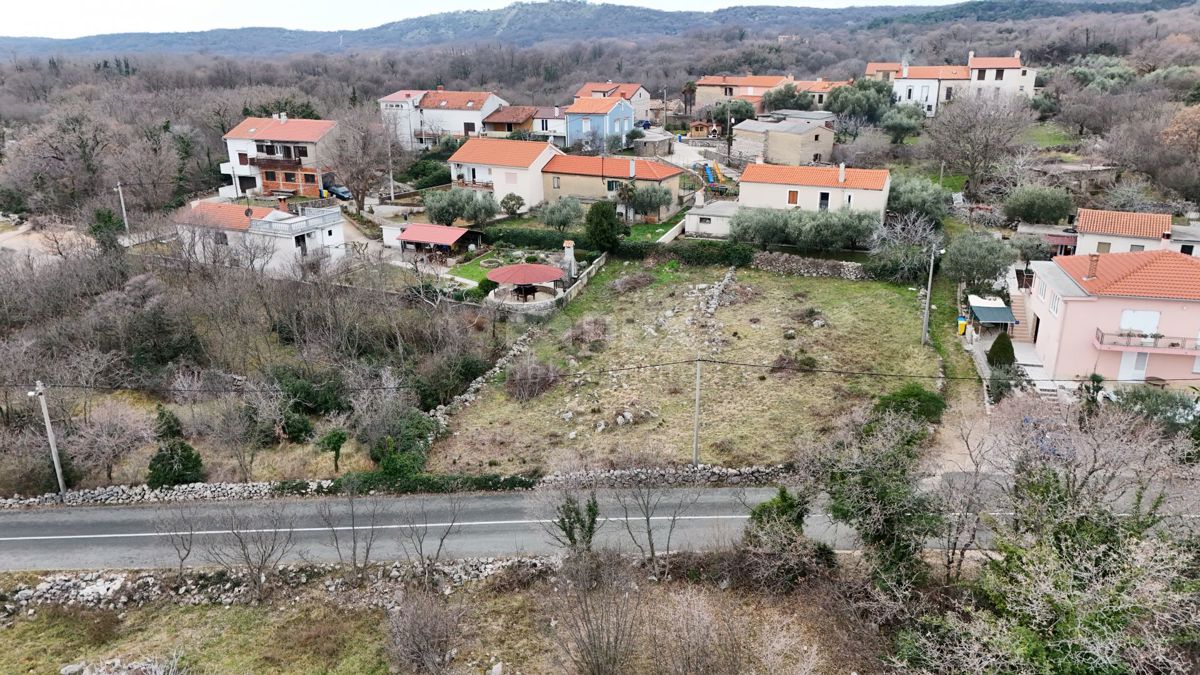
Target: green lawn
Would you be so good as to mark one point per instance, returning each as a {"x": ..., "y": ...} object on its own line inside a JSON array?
[
  {"x": 472, "y": 270},
  {"x": 652, "y": 231},
  {"x": 1049, "y": 135}
]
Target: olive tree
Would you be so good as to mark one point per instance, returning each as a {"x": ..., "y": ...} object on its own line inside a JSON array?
[
  {"x": 563, "y": 214},
  {"x": 977, "y": 259}
]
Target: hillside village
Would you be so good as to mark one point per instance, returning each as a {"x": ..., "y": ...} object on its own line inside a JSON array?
[{"x": 909, "y": 358}]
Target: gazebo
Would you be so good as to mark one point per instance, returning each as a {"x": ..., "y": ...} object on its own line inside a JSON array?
[{"x": 526, "y": 280}]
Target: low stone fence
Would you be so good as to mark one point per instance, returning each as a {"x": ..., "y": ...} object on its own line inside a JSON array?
[
  {"x": 795, "y": 265},
  {"x": 194, "y": 492},
  {"x": 443, "y": 413},
  {"x": 701, "y": 475}
]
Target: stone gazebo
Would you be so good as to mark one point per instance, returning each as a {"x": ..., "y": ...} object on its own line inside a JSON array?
[{"x": 526, "y": 287}]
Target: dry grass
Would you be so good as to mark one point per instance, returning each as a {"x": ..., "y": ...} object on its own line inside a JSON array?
[{"x": 748, "y": 415}]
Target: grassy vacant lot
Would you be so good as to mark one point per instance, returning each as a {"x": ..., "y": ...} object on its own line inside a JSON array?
[
  {"x": 749, "y": 414},
  {"x": 1049, "y": 135},
  {"x": 315, "y": 635}
]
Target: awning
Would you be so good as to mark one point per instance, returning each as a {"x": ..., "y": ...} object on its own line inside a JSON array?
[
  {"x": 432, "y": 234},
  {"x": 990, "y": 310},
  {"x": 1061, "y": 239}
]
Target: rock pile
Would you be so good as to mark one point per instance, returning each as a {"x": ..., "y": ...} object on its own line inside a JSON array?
[
  {"x": 139, "y": 494},
  {"x": 799, "y": 266}
]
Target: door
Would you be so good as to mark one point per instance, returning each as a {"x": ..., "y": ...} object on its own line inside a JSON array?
[
  {"x": 1133, "y": 367},
  {"x": 468, "y": 128},
  {"x": 301, "y": 244},
  {"x": 472, "y": 174},
  {"x": 1037, "y": 323}
]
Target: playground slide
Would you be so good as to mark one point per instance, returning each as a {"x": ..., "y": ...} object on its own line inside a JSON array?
[
  {"x": 717, "y": 169},
  {"x": 708, "y": 174}
]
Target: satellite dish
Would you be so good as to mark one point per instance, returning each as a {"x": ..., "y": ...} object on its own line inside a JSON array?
[{"x": 249, "y": 212}]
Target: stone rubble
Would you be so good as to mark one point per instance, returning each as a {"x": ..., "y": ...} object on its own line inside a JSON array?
[
  {"x": 672, "y": 476},
  {"x": 799, "y": 266}
]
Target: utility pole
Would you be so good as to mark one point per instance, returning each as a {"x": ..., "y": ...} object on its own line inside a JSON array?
[
  {"x": 40, "y": 392},
  {"x": 121, "y": 195},
  {"x": 387, "y": 129},
  {"x": 928, "y": 294},
  {"x": 696, "y": 418},
  {"x": 942, "y": 174}
]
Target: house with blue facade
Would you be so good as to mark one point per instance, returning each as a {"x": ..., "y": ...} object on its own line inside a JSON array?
[{"x": 591, "y": 121}]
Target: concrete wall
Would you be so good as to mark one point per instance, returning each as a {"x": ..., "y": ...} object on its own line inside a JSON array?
[
  {"x": 717, "y": 226},
  {"x": 775, "y": 196}
]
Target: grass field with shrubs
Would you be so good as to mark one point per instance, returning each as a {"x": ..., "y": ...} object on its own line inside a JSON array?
[{"x": 604, "y": 405}]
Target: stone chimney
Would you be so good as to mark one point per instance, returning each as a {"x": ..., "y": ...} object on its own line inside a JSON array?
[
  {"x": 569, "y": 258},
  {"x": 970, "y": 55},
  {"x": 1017, "y": 53},
  {"x": 758, "y": 159},
  {"x": 904, "y": 69},
  {"x": 699, "y": 199},
  {"x": 283, "y": 118},
  {"x": 556, "y": 112},
  {"x": 632, "y": 168},
  {"x": 281, "y": 203},
  {"x": 842, "y": 172},
  {"x": 1093, "y": 265}
]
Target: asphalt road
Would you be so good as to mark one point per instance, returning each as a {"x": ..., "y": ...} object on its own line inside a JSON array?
[{"x": 487, "y": 524}]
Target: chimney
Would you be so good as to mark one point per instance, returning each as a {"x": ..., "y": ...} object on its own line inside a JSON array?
[
  {"x": 569, "y": 258},
  {"x": 1017, "y": 53},
  {"x": 970, "y": 55},
  {"x": 1165, "y": 241},
  {"x": 632, "y": 168},
  {"x": 275, "y": 115},
  {"x": 842, "y": 172},
  {"x": 904, "y": 69},
  {"x": 283, "y": 118},
  {"x": 1093, "y": 264},
  {"x": 758, "y": 159},
  {"x": 699, "y": 199},
  {"x": 556, "y": 112},
  {"x": 281, "y": 204},
  {"x": 441, "y": 88}
]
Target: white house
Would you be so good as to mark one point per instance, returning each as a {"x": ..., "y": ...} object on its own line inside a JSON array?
[
  {"x": 928, "y": 86},
  {"x": 270, "y": 239},
  {"x": 713, "y": 219},
  {"x": 275, "y": 154},
  {"x": 814, "y": 188},
  {"x": 503, "y": 166},
  {"x": 1128, "y": 232},
  {"x": 633, "y": 92},
  {"x": 999, "y": 76},
  {"x": 550, "y": 124},
  {"x": 420, "y": 118}
]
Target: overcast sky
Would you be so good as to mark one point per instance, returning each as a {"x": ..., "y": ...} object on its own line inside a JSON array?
[{"x": 75, "y": 18}]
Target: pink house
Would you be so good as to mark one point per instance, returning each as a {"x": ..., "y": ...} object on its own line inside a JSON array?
[{"x": 1131, "y": 317}]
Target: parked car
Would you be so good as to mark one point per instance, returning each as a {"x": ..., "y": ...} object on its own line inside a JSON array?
[{"x": 341, "y": 192}]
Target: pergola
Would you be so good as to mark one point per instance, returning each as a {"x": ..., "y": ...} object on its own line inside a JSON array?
[{"x": 525, "y": 277}]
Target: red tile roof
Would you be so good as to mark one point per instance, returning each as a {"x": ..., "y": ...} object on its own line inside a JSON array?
[
  {"x": 937, "y": 73},
  {"x": 994, "y": 62},
  {"x": 432, "y": 234},
  {"x": 455, "y": 100},
  {"x": 225, "y": 216},
  {"x": 624, "y": 90},
  {"x": 1123, "y": 223},
  {"x": 512, "y": 114},
  {"x": 763, "y": 81},
  {"x": 593, "y": 106},
  {"x": 815, "y": 176},
  {"x": 500, "y": 152},
  {"x": 820, "y": 86},
  {"x": 1163, "y": 274},
  {"x": 404, "y": 95},
  {"x": 549, "y": 113},
  {"x": 610, "y": 167},
  {"x": 882, "y": 66},
  {"x": 288, "y": 131}
]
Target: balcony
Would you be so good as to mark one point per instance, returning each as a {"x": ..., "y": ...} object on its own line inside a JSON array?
[
  {"x": 275, "y": 162},
  {"x": 1136, "y": 341},
  {"x": 473, "y": 185},
  {"x": 308, "y": 220}
]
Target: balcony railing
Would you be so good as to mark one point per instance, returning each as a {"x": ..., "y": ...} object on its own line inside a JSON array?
[
  {"x": 273, "y": 162},
  {"x": 474, "y": 184},
  {"x": 309, "y": 219},
  {"x": 1131, "y": 340}
]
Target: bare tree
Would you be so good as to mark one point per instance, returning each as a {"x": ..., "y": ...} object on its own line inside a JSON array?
[
  {"x": 972, "y": 135},
  {"x": 113, "y": 431},
  {"x": 423, "y": 630},
  {"x": 644, "y": 504},
  {"x": 178, "y": 522},
  {"x": 254, "y": 540},
  {"x": 358, "y": 152},
  {"x": 963, "y": 499},
  {"x": 688, "y": 632},
  {"x": 425, "y": 525},
  {"x": 598, "y": 612},
  {"x": 353, "y": 528}
]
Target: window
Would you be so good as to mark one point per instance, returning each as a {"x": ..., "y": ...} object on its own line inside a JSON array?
[
  {"x": 264, "y": 148},
  {"x": 586, "y": 125},
  {"x": 289, "y": 177},
  {"x": 979, "y": 74},
  {"x": 729, "y": 91},
  {"x": 820, "y": 99},
  {"x": 999, "y": 74},
  {"x": 849, "y": 200},
  {"x": 1041, "y": 289},
  {"x": 949, "y": 93},
  {"x": 816, "y": 137},
  {"x": 1187, "y": 249},
  {"x": 329, "y": 233},
  {"x": 823, "y": 202},
  {"x": 908, "y": 94},
  {"x": 1103, "y": 247},
  {"x": 1024, "y": 72},
  {"x": 468, "y": 128},
  {"x": 545, "y": 125},
  {"x": 1055, "y": 299},
  {"x": 243, "y": 159},
  {"x": 508, "y": 127},
  {"x": 269, "y": 175},
  {"x": 1136, "y": 248},
  {"x": 1021, "y": 88},
  {"x": 929, "y": 108},
  {"x": 310, "y": 178},
  {"x": 554, "y": 182},
  {"x": 816, "y": 157},
  {"x": 925, "y": 93},
  {"x": 793, "y": 196},
  {"x": 705, "y": 220},
  {"x": 612, "y": 185},
  {"x": 301, "y": 151},
  {"x": 220, "y": 238}
]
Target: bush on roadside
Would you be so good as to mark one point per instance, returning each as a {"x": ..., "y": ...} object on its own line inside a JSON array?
[
  {"x": 914, "y": 400},
  {"x": 175, "y": 463},
  {"x": 423, "y": 631}
]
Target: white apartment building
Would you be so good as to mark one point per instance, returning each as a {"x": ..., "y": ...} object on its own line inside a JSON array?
[{"x": 420, "y": 118}]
